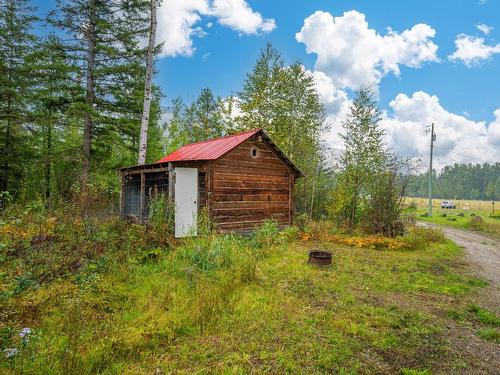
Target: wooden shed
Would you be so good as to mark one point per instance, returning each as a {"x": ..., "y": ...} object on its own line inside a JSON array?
[{"x": 242, "y": 180}]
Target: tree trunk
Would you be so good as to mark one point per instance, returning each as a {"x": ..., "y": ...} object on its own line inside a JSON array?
[
  {"x": 6, "y": 152},
  {"x": 143, "y": 142},
  {"x": 89, "y": 98},
  {"x": 48, "y": 160}
]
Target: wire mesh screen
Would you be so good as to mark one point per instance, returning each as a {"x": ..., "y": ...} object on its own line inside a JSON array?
[
  {"x": 131, "y": 191},
  {"x": 156, "y": 183}
]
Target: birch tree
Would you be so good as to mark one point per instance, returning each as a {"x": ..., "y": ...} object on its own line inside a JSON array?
[{"x": 143, "y": 139}]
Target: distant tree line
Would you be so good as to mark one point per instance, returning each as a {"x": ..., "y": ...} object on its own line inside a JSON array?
[{"x": 460, "y": 181}]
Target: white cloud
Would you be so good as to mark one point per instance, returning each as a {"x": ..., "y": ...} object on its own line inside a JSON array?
[
  {"x": 238, "y": 15},
  {"x": 458, "y": 138},
  {"x": 485, "y": 29},
  {"x": 335, "y": 100},
  {"x": 352, "y": 54},
  {"x": 472, "y": 50},
  {"x": 177, "y": 22},
  {"x": 494, "y": 130}
]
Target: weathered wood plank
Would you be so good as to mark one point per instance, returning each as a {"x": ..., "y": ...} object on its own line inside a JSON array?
[
  {"x": 283, "y": 217},
  {"x": 240, "y": 197},
  {"x": 255, "y": 171},
  {"x": 249, "y": 185},
  {"x": 244, "y": 163},
  {"x": 250, "y": 178},
  {"x": 250, "y": 204}
]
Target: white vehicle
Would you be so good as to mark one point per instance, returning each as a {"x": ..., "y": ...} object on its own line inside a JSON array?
[{"x": 448, "y": 204}]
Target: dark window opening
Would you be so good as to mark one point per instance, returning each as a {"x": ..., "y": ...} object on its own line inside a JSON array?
[
  {"x": 254, "y": 152},
  {"x": 202, "y": 190}
]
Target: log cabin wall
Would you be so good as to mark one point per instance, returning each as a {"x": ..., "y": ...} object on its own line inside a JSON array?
[{"x": 249, "y": 185}]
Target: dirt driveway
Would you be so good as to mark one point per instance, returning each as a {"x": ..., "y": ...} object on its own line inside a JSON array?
[
  {"x": 482, "y": 251},
  {"x": 484, "y": 255}
]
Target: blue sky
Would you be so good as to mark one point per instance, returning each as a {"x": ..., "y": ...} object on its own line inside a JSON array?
[{"x": 214, "y": 43}]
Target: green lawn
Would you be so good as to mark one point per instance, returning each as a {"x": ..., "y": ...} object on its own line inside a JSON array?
[
  {"x": 234, "y": 305},
  {"x": 489, "y": 225}
]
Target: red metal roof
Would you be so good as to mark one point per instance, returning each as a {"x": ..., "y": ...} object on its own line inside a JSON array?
[{"x": 208, "y": 150}]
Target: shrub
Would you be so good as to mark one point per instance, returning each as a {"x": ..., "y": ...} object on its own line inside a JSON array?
[
  {"x": 266, "y": 235},
  {"x": 301, "y": 221},
  {"x": 419, "y": 237},
  {"x": 162, "y": 213},
  {"x": 476, "y": 223}
]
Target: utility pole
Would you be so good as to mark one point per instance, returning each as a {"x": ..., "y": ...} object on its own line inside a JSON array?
[{"x": 433, "y": 138}]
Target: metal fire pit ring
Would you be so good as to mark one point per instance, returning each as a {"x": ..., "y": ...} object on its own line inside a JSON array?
[{"x": 320, "y": 257}]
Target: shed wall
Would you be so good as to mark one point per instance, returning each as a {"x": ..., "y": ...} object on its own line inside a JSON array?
[{"x": 246, "y": 190}]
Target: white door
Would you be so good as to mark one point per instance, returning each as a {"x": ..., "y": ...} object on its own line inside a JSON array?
[{"x": 186, "y": 201}]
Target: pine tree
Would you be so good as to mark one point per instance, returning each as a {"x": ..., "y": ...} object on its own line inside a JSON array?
[
  {"x": 103, "y": 37},
  {"x": 16, "y": 80},
  {"x": 206, "y": 114},
  {"x": 52, "y": 98}
]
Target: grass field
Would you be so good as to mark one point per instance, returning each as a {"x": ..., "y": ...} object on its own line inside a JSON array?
[
  {"x": 225, "y": 304},
  {"x": 461, "y": 217}
]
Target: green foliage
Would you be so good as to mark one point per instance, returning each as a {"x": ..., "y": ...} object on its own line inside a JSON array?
[
  {"x": 16, "y": 81},
  {"x": 202, "y": 120},
  {"x": 266, "y": 235},
  {"x": 252, "y": 302},
  {"x": 162, "y": 213},
  {"x": 371, "y": 183},
  {"x": 282, "y": 99},
  {"x": 420, "y": 237}
]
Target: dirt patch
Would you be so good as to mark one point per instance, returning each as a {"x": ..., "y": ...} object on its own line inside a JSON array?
[{"x": 483, "y": 254}]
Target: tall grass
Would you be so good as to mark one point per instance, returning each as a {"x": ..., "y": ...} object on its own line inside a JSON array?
[{"x": 99, "y": 292}]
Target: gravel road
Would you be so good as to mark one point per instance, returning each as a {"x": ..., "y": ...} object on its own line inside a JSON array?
[{"x": 482, "y": 251}]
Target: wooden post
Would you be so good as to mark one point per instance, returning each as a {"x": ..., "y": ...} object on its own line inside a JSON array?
[
  {"x": 142, "y": 197},
  {"x": 122, "y": 196},
  {"x": 208, "y": 188},
  {"x": 290, "y": 200},
  {"x": 171, "y": 182}
]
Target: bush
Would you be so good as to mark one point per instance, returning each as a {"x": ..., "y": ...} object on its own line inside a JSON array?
[
  {"x": 420, "y": 237},
  {"x": 162, "y": 213},
  {"x": 266, "y": 235},
  {"x": 476, "y": 223}
]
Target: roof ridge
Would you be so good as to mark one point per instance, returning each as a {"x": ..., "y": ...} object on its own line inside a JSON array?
[{"x": 223, "y": 137}]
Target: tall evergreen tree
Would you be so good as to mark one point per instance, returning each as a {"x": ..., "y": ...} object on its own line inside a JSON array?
[
  {"x": 16, "y": 81},
  {"x": 103, "y": 37},
  {"x": 51, "y": 99}
]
